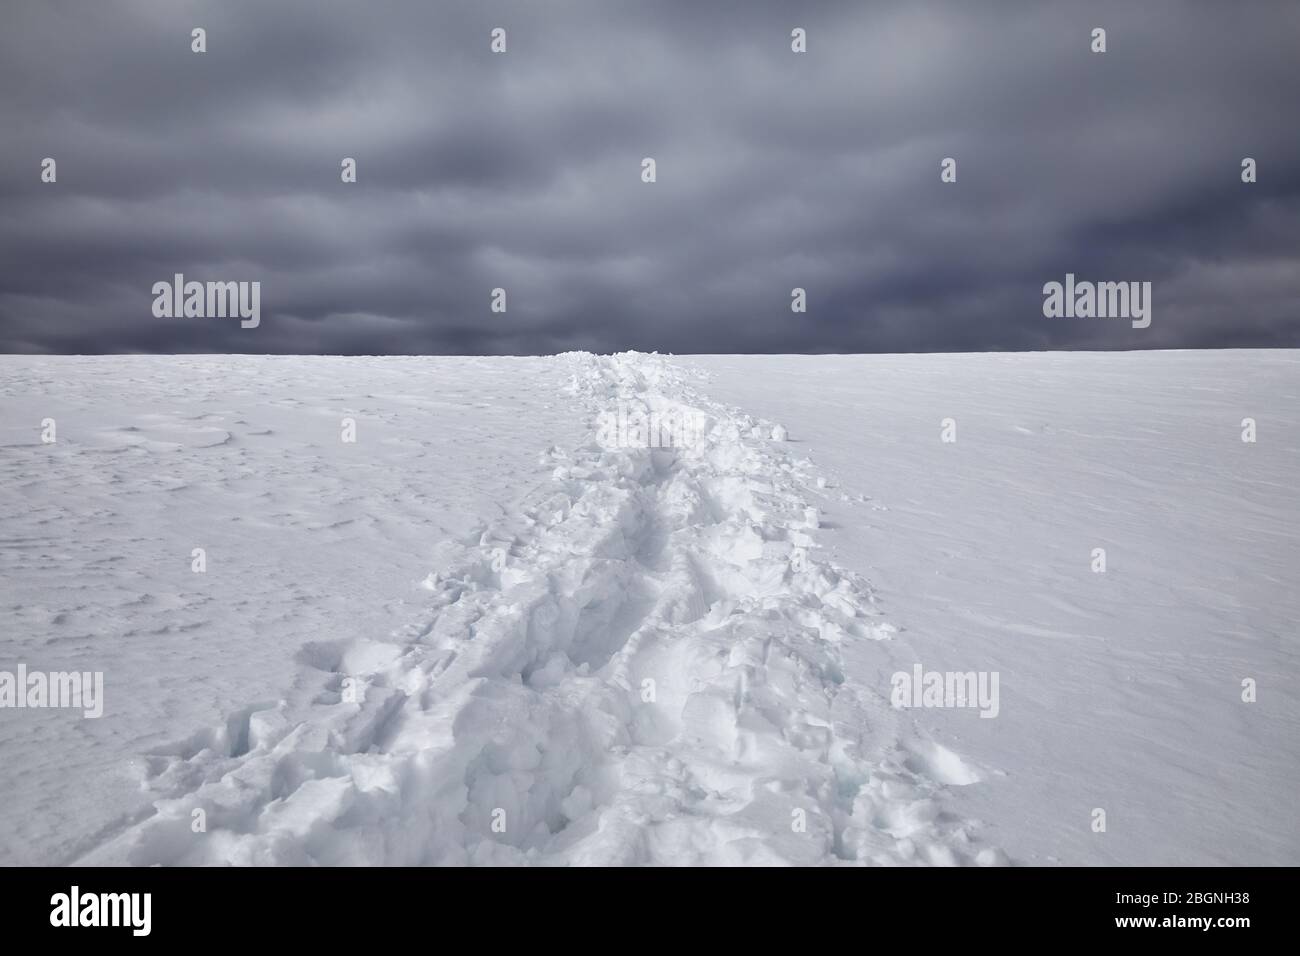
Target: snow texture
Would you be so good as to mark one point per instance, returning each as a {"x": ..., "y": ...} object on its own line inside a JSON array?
[{"x": 651, "y": 656}]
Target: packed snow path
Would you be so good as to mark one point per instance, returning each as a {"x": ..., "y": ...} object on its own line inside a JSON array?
[{"x": 639, "y": 665}]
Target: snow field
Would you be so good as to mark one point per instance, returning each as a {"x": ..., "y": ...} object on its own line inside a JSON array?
[
  {"x": 649, "y": 676},
  {"x": 571, "y": 610}
]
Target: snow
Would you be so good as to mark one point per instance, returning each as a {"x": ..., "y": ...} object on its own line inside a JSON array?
[
  {"x": 492, "y": 630},
  {"x": 1120, "y": 690}
]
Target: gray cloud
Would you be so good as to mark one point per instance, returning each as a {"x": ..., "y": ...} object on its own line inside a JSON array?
[{"x": 522, "y": 171}]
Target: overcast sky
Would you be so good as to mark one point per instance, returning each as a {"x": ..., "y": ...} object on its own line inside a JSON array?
[{"x": 523, "y": 170}]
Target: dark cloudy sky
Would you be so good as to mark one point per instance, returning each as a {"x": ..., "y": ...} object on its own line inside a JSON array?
[{"x": 522, "y": 170}]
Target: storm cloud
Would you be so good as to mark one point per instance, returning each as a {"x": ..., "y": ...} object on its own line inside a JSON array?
[{"x": 522, "y": 170}]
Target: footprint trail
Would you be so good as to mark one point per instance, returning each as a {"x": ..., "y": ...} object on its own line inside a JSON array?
[{"x": 640, "y": 664}]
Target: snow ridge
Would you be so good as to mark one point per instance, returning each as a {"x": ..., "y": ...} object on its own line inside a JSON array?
[{"x": 638, "y": 665}]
